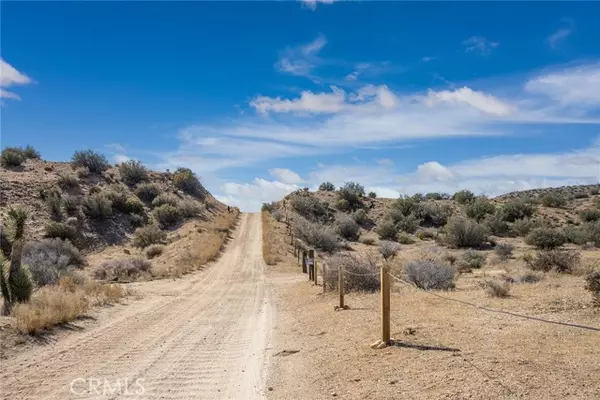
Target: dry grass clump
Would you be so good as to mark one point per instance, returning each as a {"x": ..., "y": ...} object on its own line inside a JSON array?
[
  {"x": 361, "y": 273},
  {"x": 147, "y": 235},
  {"x": 154, "y": 251},
  {"x": 60, "y": 230},
  {"x": 68, "y": 180},
  {"x": 504, "y": 251},
  {"x": 48, "y": 259},
  {"x": 497, "y": 289},
  {"x": 268, "y": 246},
  {"x": 388, "y": 249},
  {"x": 59, "y": 304},
  {"x": 430, "y": 275},
  {"x": 592, "y": 283},
  {"x": 367, "y": 241},
  {"x": 123, "y": 270}
]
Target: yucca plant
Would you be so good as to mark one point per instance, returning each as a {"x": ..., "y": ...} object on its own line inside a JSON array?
[{"x": 16, "y": 284}]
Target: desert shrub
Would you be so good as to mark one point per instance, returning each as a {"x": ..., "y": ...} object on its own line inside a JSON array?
[
  {"x": 348, "y": 228},
  {"x": 479, "y": 208},
  {"x": 593, "y": 231},
  {"x": 269, "y": 207},
  {"x": 147, "y": 191},
  {"x": 277, "y": 215},
  {"x": 327, "y": 187},
  {"x": 54, "y": 203},
  {"x": 11, "y": 157},
  {"x": 148, "y": 235},
  {"x": 372, "y": 195},
  {"x": 67, "y": 180},
  {"x": 463, "y": 196},
  {"x": 450, "y": 258},
  {"x": 576, "y": 234},
  {"x": 504, "y": 251},
  {"x": 592, "y": 283},
  {"x": 465, "y": 232},
  {"x": 314, "y": 234},
  {"x": 96, "y": 163},
  {"x": 188, "y": 208},
  {"x": 97, "y": 206},
  {"x": 496, "y": 225},
  {"x": 554, "y": 200},
  {"x": 360, "y": 216},
  {"x": 166, "y": 215},
  {"x": 434, "y": 196},
  {"x": 70, "y": 204},
  {"x": 30, "y": 152},
  {"x": 133, "y": 205},
  {"x": 5, "y": 242},
  {"x": 48, "y": 259},
  {"x": 405, "y": 238},
  {"x": 531, "y": 277},
  {"x": 429, "y": 275},
  {"x": 433, "y": 214},
  {"x": 590, "y": 215},
  {"x": 426, "y": 234},
  {"x": 165, "y": 198},
  {"x": 82, "y": 172},
  {"x": 368, "y": 241},
  {"x": 408, "y": 205},
  {"x": 351, "y": 192},
  {"x": 124, "y": 269},
  {"x": 184, "y": 179},
  {"x": 497, "y": 289},
  {"x": 522, "y": 227},
  {"x": 387, "y": 230},
  {"x": 557, "y": 259},
  {"x": 409, "y": 224},
  {"x": 516, "y": 209},
  {"x": 360, "y": 272},
  {"x": 132, "y": 172},
  {"x": 60, "y": 230},
  {"x": 546, "y": 238},
  {"x": 310, "y": 207},
  {"x": 388, "y": 249},
  {"x": 118, "y": 195},
  {"x": 154, "y": 250},
  {"x": 137, "y": 220},
  {"x": 473, "y": 259}
]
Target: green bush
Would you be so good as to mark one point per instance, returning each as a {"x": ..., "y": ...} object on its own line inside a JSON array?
[
  {"x": 405, "y": 238},
  {"x": 360, "y": 216},
  {"x": 496, "y": 225},
  {"x": 327, "y": 187},
  {"x": 269, "y": 207},
  {"x": 60, "y": 230},
  {"x": 82, "y": 172},
  {"x": 463, "y": 196},
  {"x": 433, "y": 214},
  {"x": 166, "y": 215},
  {"x": 593, "y": 232},
  {"x": 426, "y": 234},
  {"x": 372, "y": 195},
  {"x": 504, "y": 251},
  {"x": 54, "y": 203},
  {"x": 342, "y": 205},
  {"x": 20, "y": 288},
  {"x": 387, "y": 230},
  {"x": 590, "y": 215},
  {"x": 351, "y": 192},
  {"x": 148, "y": 235},
  {"x": 473, "y": 259},
  {"x": 522, "y": 227},
  {"x": 165, "y": 198},
  {"x": 516, "y": 209},
  {"x": 315, "y": 234},
  {"x": 464, "y": 232},
  {"x": 554, "y": 200},
  {"x": 188, "y": 208},
  {"x": 348, "y": 228},
  {"x": 137, "y": 220},
  {"x": 11, "y": 157},
  {"x": 434, "y": 196},
  {"x": 30, "y": 152},
  {"x": 133, "y": 205},
  {"x": 479, "y": 208},
  {"x": 184, "y": 179},
  {"x": 96, "y": 163},
  {"x": 97, "y": 206},
  {"x": 546, "y": 238},
  {"x": 154, "y": 250},
  {"x": 133, "y": 172},
  {"x": 147, "y": 191},
  {"x": 576, "y": 234},
  {"x": 557, "y": 259},
  {"x": 310, "y": 207},
  {"x": 408, "y": 224},
  {"x": 592, "y": 283},
  {"x": 408, "y": 205},
  {"x": 68, "y": 181}
]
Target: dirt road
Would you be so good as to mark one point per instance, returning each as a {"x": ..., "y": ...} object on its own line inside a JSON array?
[{"x": 200, "y": 337}]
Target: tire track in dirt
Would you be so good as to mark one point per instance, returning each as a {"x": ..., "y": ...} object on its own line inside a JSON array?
[{"x": 206, "y": 342}]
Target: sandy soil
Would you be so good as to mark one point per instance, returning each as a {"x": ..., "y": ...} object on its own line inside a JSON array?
[{"x": 200, "y": 337}]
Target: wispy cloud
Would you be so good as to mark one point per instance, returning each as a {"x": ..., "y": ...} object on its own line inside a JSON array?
[
  {"x": 312, "y": 4},
  {"x": 10, "y": 76},
  {"x": 561, "y": 34},
  {"x": 301, "y": 60},
  {"x": 286, "y": 176},
  {"x": 479, "y": 44}
]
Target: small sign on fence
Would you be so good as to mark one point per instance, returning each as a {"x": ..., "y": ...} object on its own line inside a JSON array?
[{"x": 310, "y": 261}]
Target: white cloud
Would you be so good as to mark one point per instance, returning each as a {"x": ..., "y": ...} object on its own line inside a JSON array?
[
  {"x": 286, "y": 176},
  {"x": 308, "y": 102},
  {"x": 312, "y": 4},
  {"x": 574, "y": 86},
  {"x": 479, "y": 44},
  {"x": 428, "y": 59},
  {"x": 9, "y": 76},
  {"x": 250, "y": 196},
  {"x": 301, "y": 60},
  {"x": 120, "y": 158},
  {"x": 557, "y": 37},
  {"x": 479, "y": 100},
  {"x": 434, "y": 171}
]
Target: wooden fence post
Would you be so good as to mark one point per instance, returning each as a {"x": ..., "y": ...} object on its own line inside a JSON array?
[
  {"x": 341, "y": 286},
  {"x": 311, "y": 264},
  {"x": 304, "y": 261},
  {"x": 385, "y": 305},
  {"x": 315, "y": 269}
]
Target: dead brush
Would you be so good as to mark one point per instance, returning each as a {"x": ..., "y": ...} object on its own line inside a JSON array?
[
  {"x": 497, "y": 289},
  {"x": 361, "y": 273}
]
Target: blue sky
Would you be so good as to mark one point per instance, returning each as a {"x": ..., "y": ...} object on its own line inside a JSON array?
[{"x": 261, "y": 98}]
